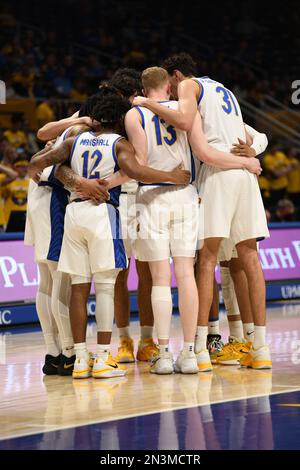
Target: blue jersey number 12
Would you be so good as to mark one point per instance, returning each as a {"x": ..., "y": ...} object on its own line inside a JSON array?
[{"x": 97, "y": 155}]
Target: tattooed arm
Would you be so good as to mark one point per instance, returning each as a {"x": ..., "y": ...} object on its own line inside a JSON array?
[
  {"x": 48, "y": 157},
  {"x": 93, "y": 189}
]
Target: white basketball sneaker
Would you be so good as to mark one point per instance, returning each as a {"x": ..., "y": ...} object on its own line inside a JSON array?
[
  {"x": 186, "y": 363},
  {"x": 203, "y": 360},
  {"x": 83, "y": 367},
  {"x": 109, "y": 368},
  {"x": 162, "y": 364}
]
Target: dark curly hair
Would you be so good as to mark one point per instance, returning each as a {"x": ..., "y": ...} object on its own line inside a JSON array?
[
  {"x": 127, "y": 81},
  {"x": 110, "y": 111},
  {"x": 105, "y": 89},
  {"x": 128, "y": 71},
  {"x": 182, "y": 62}
]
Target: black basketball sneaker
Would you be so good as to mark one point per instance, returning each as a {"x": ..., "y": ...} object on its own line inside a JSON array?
[
  {"x": 51, "y": 364},
  {"x": 66, "y": 365}
]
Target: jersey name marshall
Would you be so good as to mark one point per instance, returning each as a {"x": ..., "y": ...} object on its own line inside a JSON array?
[{"x": 94, "y": 142}]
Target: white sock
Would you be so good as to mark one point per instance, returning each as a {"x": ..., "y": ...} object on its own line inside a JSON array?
[
  {"x": 201, "y": 338},
  {"x": 163, "y": 348},
  {"x": 105, "y": 308},
  {"x": 59, "y": 303},
  {"x": 162, "y": 305},
  {"x": 146, "y": 332},
  {"x": 248, "y": 331},
  {"x": 236, "y": 329},
  {"x": 124, "y": 331},
  {"x": 68, "y": 351},
  {"x": 188, "y": 347},
  {"x": 259, "y": 336},
  {"x": 43, "y": 308},
  {"x": 81, "y": 350},
  {"x": 214, "y": 327},
  {"x": 230, "y": 300},
  {"x": 51, "y": 346},
  {"x": 103, "y": 351}
]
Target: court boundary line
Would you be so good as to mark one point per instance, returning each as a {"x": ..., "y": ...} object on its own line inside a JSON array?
[{"x": 136, "y": 415}]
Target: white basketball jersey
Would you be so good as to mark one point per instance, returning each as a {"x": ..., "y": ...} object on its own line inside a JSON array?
[
  {"x": 167, "y": 147},
  {"x": 94, "y": 156},
  {"x": 222, "y": 119},
  {"x": 46, "y": 207}
]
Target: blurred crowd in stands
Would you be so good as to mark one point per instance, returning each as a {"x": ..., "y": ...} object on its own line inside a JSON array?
[{"x": 57, "y": 53}]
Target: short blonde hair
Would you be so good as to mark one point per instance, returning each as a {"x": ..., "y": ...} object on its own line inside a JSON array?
[{"x": 154, "y": 77}]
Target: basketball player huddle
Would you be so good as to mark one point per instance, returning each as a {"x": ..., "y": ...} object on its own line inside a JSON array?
[{"x": 168, "y": 175}]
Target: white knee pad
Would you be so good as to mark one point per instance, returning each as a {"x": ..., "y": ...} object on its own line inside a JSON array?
[
  {"x": 228, "y": 292},
  {"x": 60, "y": 301},
  {"x": 104, "y": 306},
  {"x": 45, "y": 282},
  {"x": 161, "y": 299}
]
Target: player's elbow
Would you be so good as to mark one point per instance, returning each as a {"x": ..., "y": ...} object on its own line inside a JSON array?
[
  {"x": 203, "y": 155},
  {"x": 42, "y": 134},
  {"x": 184, "y": 124},
  {"x": 132, "y": 173}
]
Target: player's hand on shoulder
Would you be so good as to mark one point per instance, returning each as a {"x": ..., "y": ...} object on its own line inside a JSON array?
[
  {"x": 242, "y": 149},
  {"x": 93, "y": 189},
  {"x": 180, "y": 176},
  {"x": 87, "y": 121},
  {"x": 139, "y": 101},
  {"x": 253, "y": 165}
]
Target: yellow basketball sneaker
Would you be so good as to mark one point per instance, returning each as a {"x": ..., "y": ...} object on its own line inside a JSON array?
[
  {"x": 257, "y": 358},
  {"x": 233, "y": 352},
  {"x": 125, "y": 350},
  {"x": 147, "y": 350},
  {"x": 105, "y": 369},
  {"x": 83, "y": 367},
  {"x": 203, "y": 361}
]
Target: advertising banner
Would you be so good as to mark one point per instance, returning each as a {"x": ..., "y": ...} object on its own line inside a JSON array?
[{"x": 280, "y": 257}]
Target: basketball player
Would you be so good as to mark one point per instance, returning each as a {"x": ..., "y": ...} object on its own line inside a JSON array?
[
  {"x": 234, "y": 284},
  {"x": 231, "y": 201},
  {"x": 44, "y": 229},
  {"x": 168, "y": 223},
  {"x": 92, "y": 246},
  {"x": 128, "y": 82}
]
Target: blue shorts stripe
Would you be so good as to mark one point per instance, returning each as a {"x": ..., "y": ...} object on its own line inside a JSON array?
[
  {"x": 58, "y": 204},
  {"x": 116, "y": 232}
]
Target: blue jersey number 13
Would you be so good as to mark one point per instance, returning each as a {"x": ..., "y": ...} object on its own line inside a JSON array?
[{"x": 170, "y": 130}]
